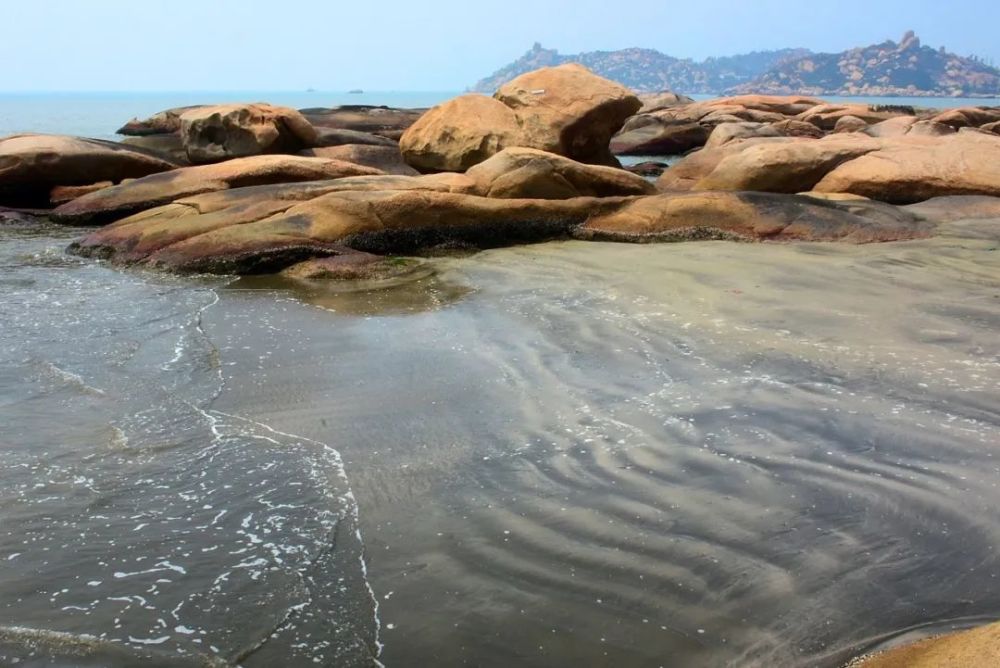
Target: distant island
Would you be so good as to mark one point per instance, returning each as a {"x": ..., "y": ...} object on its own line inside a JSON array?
[{"x": 906, "y": 68}]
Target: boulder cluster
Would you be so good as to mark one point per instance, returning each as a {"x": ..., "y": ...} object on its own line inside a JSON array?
[{"x": 251, "y": 188}]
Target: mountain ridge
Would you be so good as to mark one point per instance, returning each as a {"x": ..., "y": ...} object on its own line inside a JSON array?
[{"x": 906, "y": 68}]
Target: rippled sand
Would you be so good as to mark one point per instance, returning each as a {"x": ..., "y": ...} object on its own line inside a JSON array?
[{"x": 701, "y": 454}]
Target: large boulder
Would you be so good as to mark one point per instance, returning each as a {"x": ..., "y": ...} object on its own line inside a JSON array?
[
  {"x": 213, "y": 134},
  {"x": 32, "y": 164},
  {"x": 787, "y": 167},
  {"x": 460, "y": 133},
  {"x": 685, "y": 174},
  {"x": 752, "y": 216},
  {"x": 566, "y": 110},
  {"x": 155, "y": 190},
  {"x": 977, "y": 648},
  {"x": 911, "y": 169},
  {"x": 527, "y": 173},
  {"x": 569, "y": 110}
]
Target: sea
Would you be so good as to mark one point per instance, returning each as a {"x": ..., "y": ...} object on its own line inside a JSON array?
[
  {"x": 574, "y": 453},
  {"x": 99, "y": 115}
]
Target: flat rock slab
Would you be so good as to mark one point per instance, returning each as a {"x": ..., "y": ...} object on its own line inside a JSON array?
[
  {"x": 157, "y": 189},
  {"x": 268, "y": 228},
  {"x": 752, "y": 216}
]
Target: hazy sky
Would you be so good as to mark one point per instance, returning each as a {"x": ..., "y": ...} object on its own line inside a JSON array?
[{"x": 423, "y": 44}]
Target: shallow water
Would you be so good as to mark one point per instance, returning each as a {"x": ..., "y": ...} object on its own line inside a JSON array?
[{"x": 701, "y": 454}]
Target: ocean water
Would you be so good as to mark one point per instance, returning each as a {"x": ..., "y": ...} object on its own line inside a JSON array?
[
  {"x": 100, "y": 114},
  {"x": 696, "y": 455}
]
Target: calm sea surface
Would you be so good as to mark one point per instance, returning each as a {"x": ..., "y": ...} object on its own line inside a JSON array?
[
  {"x": 568, "y": 454},
  {"x": 100, "y": 114}
]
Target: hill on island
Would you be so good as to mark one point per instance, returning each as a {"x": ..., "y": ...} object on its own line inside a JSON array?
[
  {"x": 649, "y": 70},
  {"x": 906, "y": 68},
  {"x": 889, "y": 68}
]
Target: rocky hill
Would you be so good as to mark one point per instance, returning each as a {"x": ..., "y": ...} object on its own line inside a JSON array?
[
  {"x": 650, "y": 70},
  {"x": 907, "y": 68},
  {"x": 887, "y": 69}
]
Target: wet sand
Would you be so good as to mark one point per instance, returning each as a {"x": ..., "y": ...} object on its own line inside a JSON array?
[{"x": 699, "y": 454}]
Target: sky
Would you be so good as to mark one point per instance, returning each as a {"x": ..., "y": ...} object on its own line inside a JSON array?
[{"x": 423, "y": 45}]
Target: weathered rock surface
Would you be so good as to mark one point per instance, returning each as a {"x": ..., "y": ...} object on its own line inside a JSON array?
[
  {"x": 157, "y": 189},
  {"x": 789, "y": 167},
  {"x": 62, "y": 194},
  {"x": 678, "y": 129},
  {"x": 659, "y": 139},
  {"x": 379, "y": 120},
  {"x": 977, "y": 648},
  {"x": 957, "y": 207},
  {"x": 168, "y": 146},
  {"x": 569, "y": 110},
  {"x": 460, "y": 133},
  {"x": 900, "y": 169},
  {"x": 826, "y": 116},
  {"x": 662, "y": 100},
  {"x": 351, "y": 266},
  {"x": 164, "y": 122},
  {"x": 752, "y": 216},
  {"x": 727, "y": 132},
  {"x": 388, "y": 159},
  {"x": 966, "y": 117},
  {"x": 259, "y": 234},
  {"x": 849, "y": 124},
  {"x": 685, "y": 174},
  {"x": 212, "y": 134},
  {"x": 32, "y": 164},
  {"x": 527, "y": 173},
  {"x": 565, "y": 110},
  {"x": 342, "y": 136},
  {"x": 912, "y": 169}
]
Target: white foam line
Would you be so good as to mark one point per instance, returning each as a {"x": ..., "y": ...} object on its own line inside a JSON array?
[
  {"x": 354, "y": 511},
  {"x": 214, "y": 423}
]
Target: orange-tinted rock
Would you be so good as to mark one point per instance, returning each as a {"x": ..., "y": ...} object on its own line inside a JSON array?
[
  {"x": 164, "y": 122},
  {"x": 659, "y": 139},
  {"x": 977, "y": 648},
  {"x": 752, "y": 216},
  {"x": 826, "y": 116},
  {"x": 388, "y": 159},
  {"x": 158, "y": 189},
  {"x": 964, "y": 117},
  {"x": 527, "y": 173},
  {"x": 62, "y": 194},
  {"x": 911, "y": 169},
  {"x": 789, "y": 167},
  {"x": 685, "y": 174},
  {"x": 849, "y": 124},
  {"x": 569, "y": 110},
  {"x": 223, "y": 132},
  {"x": 459, "y": 133},
  {"x": 31, "y": 165}
]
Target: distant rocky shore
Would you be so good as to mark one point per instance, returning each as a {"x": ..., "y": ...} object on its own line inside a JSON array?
[
  {"x": 903, "y": 69},
  {"x": 338, "y": 193}
]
